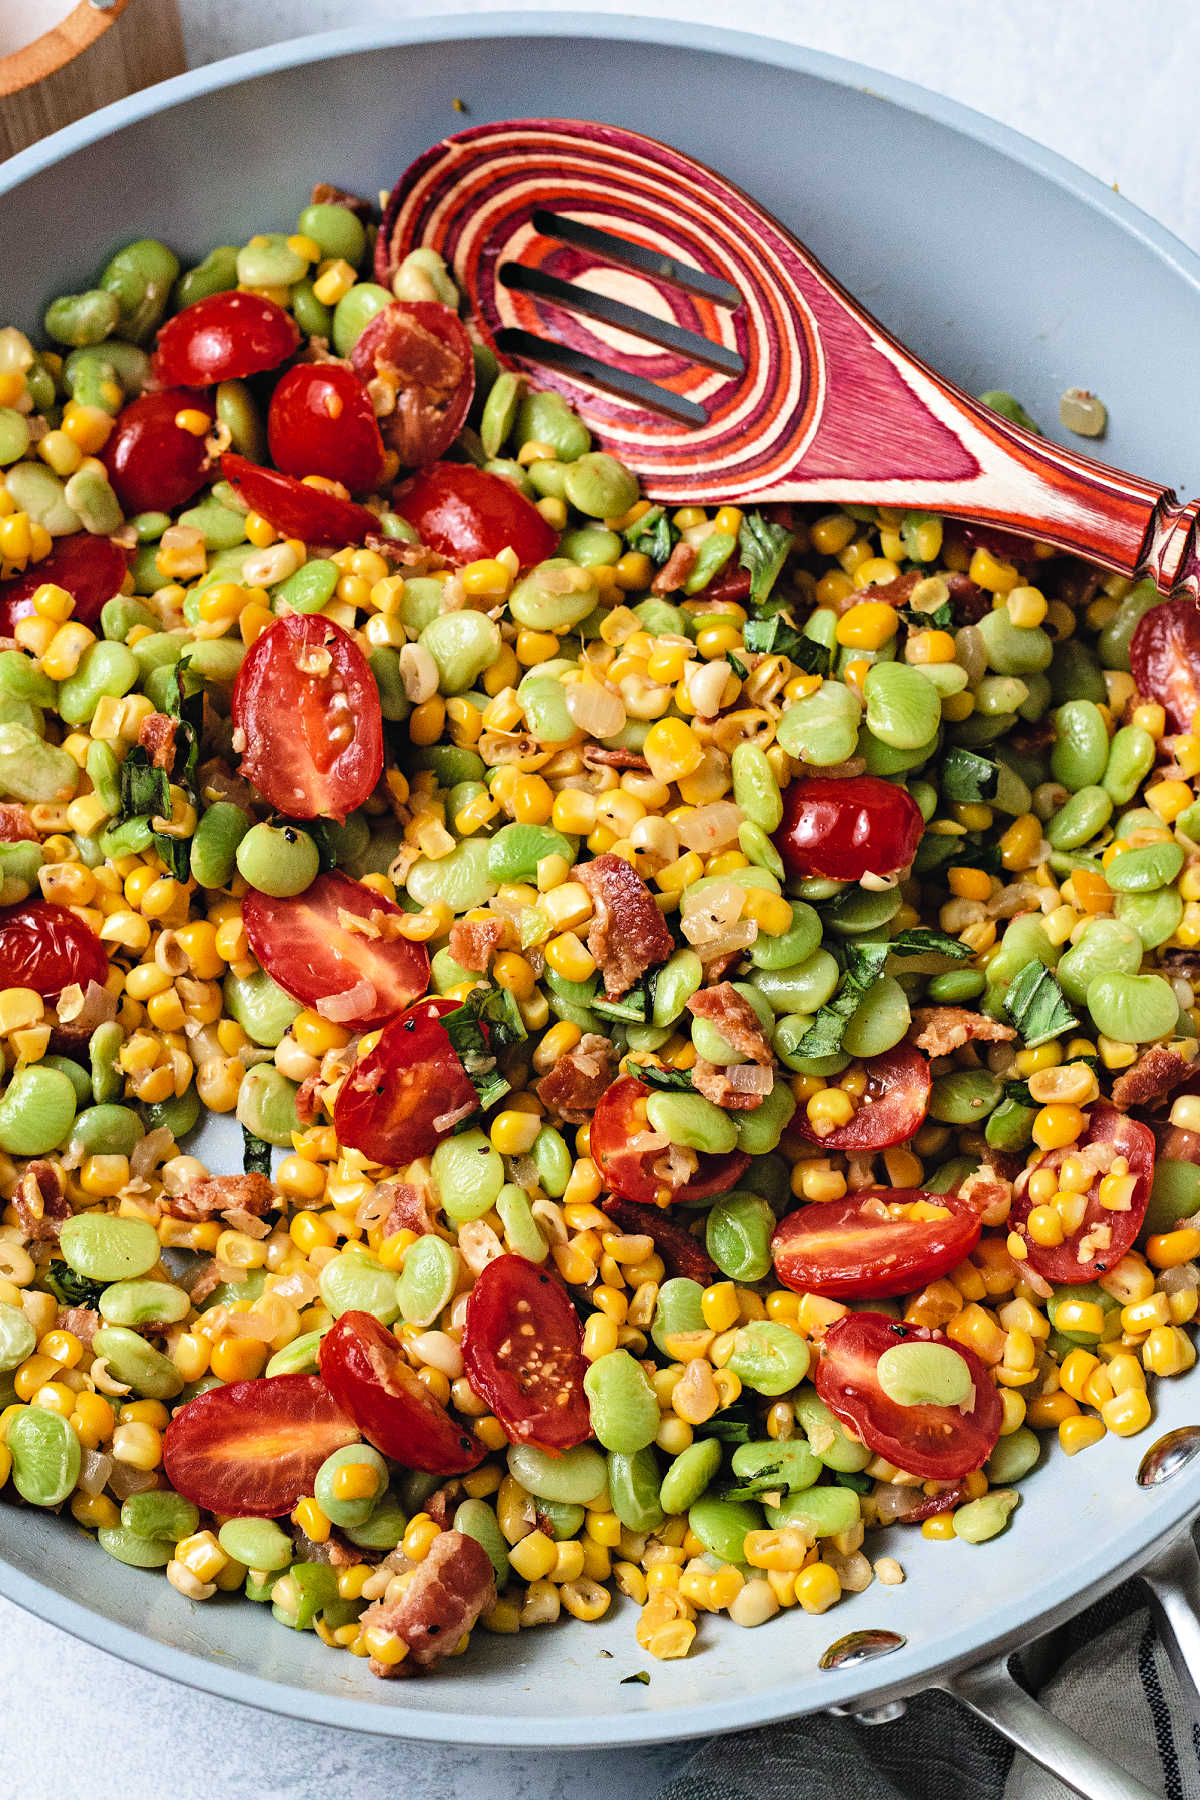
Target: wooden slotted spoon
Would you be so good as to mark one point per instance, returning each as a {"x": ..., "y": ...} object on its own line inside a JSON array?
[{"x": 709, "y": 350}]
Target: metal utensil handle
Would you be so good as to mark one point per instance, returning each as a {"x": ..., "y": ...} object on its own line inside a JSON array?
[
  {"x": 996, "y": 1696},
  {"x": 1174, "y": 1582}
]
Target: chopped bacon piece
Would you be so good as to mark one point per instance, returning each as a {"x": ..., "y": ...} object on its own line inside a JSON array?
[
  {"x": 1154, "y": 1075},
  {"x": 217, "y": 1194},
  {"x": 968, "y": 601},
  {"x": 735, "y": 1019},
  {"x": 675, "y": 570},
  {"x": 941, "y": 1029},
  {"x": 445, "y": 1596},
  {"x": 740, "y": 1087},
  {"x": 442, "y": 1502},
  {"x": 893, "y": 593},
  {"x": 628, "y": 934},
  {"x": 326, "y": 194},
  {"x": 16, "y": 826},
  {"x": 680, "y": 1251},
  {"x": 946, "y": 1501},
  {"x": 473, "y": 942},
  {"x": 306, "y": 1099},
  {"x": 80, "y": 1321},
  {"x": 332, "y": 1550},
  {"x": 207, "y": 1281},
  {"x": 578, "y": 1079},
  {"x": 40, "y": 1203},
  {"x": 596, "y": 756},
  {"x": 156, "y": 734},
  {"x": 411, "y": 1208}
]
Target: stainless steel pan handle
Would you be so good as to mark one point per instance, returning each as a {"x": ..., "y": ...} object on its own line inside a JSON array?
[{"x": 995, "y": 1695}]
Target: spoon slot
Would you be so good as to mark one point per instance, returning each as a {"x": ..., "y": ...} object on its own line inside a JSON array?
[
  {"x": 663, "y": 333},
  {"x": 636, "y": 256},
  {"x": 512, "y": 340}
]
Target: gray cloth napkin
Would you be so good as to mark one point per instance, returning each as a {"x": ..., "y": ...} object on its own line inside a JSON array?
[{"x": 1114, "y": 1686}]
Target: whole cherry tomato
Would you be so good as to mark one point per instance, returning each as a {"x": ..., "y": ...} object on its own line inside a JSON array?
[
  {"x": 894, "y": 1105},
  {"x": 224, "y": 337},
  {"x": 364, "y": 1369},
  {"x": 868, "y": 1245},
  {"x": 252, "y": 1449},
  {"x": 523, "y": 1349},
  {"x": 153, "y": 464},
  {"x": 47, "y": 948},
  {"x": 321, "y": 422},
  {"x": 630, "y": 1167},
  {"x": 295, "y": 509},
  {"x": 416, "y": 354},
  {"x": 467, "y": 514},
  {"x": 1164, "y": 656},
  {"x": 1107, "y": 1232},
  {"x": 940, "y": 1443},
  {"x": 400, "y": 1100},
  {"x": 846, "y": 827},
  {"x": 307, "y": 945},
  {"x": 307, "y": 707},
  {"x": 91, "y": 569}
]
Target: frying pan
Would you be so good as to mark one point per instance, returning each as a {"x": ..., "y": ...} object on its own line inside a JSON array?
[{"x": 1002, "y": 266}]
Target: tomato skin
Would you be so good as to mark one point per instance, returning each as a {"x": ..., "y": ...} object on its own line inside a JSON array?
[
  {"x": 939, "y": 1443},
  {"x": 365, "y": 1371},
  {"x": 1164, "y": 655},
  {"x": 467, "y": 514},
  {"x": 626, "y": 1169},
  {"x": 1059, "y": 1262},
  {"x": 47, "y": 947},
  {"x": 845, "y": 828},
  {"x": 303, "y": 945},
  {"x": 153, "y": 464},
  {"x": 296, "y": 510},
  {"x": 533, "y": 1384},
  {"x": 835, "y": 1249},
  {"x": 252, "y": 1449},
  {"x": 90, "y": 568},
  {"x": 321, "y": 422},
  {"x": 387, "y": 1104},
  {"x": 287, "y": 714},
  {"x": 224, "y": 337},
  {"x": 894, "y": 1105},
  {"x": 420, "y": 351}
]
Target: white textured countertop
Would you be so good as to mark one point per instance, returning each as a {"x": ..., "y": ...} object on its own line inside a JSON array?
[{"x": 1106, "y": 82}]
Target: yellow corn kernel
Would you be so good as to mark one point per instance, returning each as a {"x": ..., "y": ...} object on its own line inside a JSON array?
[
  {"x": 817, "y": 1588},
  {"x": 868, "y": 626},
  {"x": 139, "y": 1445},
  {"x": 828, "y": 1110},
  {"x": 1050, "y": 1410},
  {"x": 238, "y": 1359},
  {"x": 1026, "y": 606},
  {"x": 1054, "y": 1127},
  {"x": 988, "y": 572},
  {"x": 312, "y": 1520},
  {"x": 104, "y": 1176},
  {"x": 1080, "y": 1432},
  {"x": 513, "y": 1133},
  {"x": 1077, "y": 1369},
  {"x": 770, "y": 912},
  {"x": 1168, "y": 799},
  {"x": 719, "y": 1305},
  {"x": 970, "y": 884},
  {"x": 1173, "y": 1248},
  {"x": 1167, "y": 1351},
  {"x": 672, "y": 749},
  {"x": 570, "y": 958},
  {"x": 334, "y": 281},
  {"x": 1126, "y": 1414}
]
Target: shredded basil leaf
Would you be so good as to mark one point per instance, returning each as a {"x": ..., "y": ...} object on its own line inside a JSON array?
[
  {"x": 677, "y": 1080},
  {"x": 145, "y": 790},
  {"x": 70, "y": 1289},
  {"x": 862, "y": 969},
  {"x": 853, "y": 1478},
  {"x": 495, "y": 1008},
  {"x": 777, "y": 636},
  {"x": 762, "y": 551},
  {"x": 968, "y": 777},
  {"x": 653, "y": 534},
  {"x": 922, "y": 940},
  {"x": 1018, "y": 1092},
  {"x": 1035, "y": 1004},
  {"x": 737, "y": 665},
  {"x": 256, "y": 1153},
  {"x": 938, "y": 618},
  {"x": 642, "y": 1675}
]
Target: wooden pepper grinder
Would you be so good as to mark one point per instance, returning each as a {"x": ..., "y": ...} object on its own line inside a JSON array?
[{"x": 58, "y": 61}]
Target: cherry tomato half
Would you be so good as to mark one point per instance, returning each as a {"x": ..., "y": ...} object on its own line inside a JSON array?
[
  {"x": 466, "y": 514},
  {"x": 865, "y": 1247},
  {"x": 845, "y": 828},
  {"x": 1064, "y": 1263},
  {"x": 939, "y": 1443},
  {"x": 295, "y": 509},
  {"x": 153, "y": 464},
  {"x": 894, "y": 1105},
  {"x": 1164, "y": 656},
  {"x": 417, "y": 354},
  {"x": 523, "y": 1348},
  {"x": 253, "y": 1448},
  {"x": 306, "y": 945},
  {"x": 91, "y": 569},
  {"x": 322, "y": 422},
  {"x": 364, "y": 1369},
  {"x": 619, "y": 1129},
  {"x": 224, "y": 337},
  {"x": 47, "y": 947},
  {"x": 389, "y": 1103},
  {"x": 308, "y": 707}
]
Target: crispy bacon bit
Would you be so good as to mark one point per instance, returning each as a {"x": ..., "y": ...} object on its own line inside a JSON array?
[
  {"x": 16, "y": 826},
  {"x": 946, "y": 1501},
  {"x": 306, "y": 1099},
  {"x": 40, "y": 1203},
  {"x": 735, "y": 1019},
  {"x": 81, "y": 1321},
  {"x": 675, "y": 570},
  {"x": 473, "y": 943},
  {"x": 597, "y": 757},
  {"x": 442, "y": 1502},
  {"x": 156, "y": 734},
  {"x": 326, "y": 194},
  {"x": 893, "y": 593},
  {"x": 680, "y": 1251},
  {"x": 1154, "y": 1075},
  {"x": 941, "y": 1029},
  {"x": 443, "y": 1599},
  {"x": 738, "y": 1088},
  {"x": 968, "y": 602},
  {"x": 628, "y": 934},
  {"x": 218, "y": 1194},
  {"x": 333, "y": 1551},
  {"x": 411, "y": 1208},
  {"x": 576, "y": 1082},
  {"x": 206, "y": 1282}
]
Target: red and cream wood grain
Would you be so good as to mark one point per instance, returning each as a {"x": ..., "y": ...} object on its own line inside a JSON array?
[{"x": 829, "y": 405}]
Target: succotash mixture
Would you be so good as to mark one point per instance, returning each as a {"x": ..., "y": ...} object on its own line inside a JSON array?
[{"x": 721, "y": 983}]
